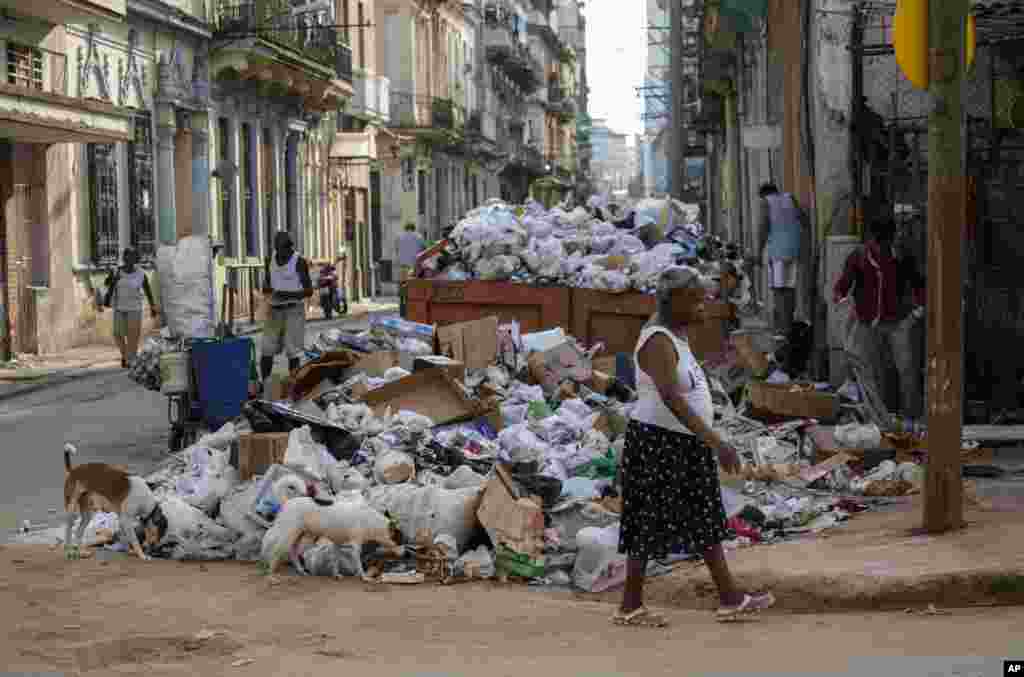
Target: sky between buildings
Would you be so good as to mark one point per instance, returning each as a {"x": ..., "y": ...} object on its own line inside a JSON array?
[{"x": 616, "y": 53}]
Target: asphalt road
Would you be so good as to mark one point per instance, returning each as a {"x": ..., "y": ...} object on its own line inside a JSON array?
[{"x": 107, "y": 416}]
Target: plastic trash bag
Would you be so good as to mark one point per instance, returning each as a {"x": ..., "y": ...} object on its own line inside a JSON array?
[
  {"x": 441, "y": 511},
  {"x": 305, "y": 453},
  {"x": 191, "y": 535},
  {"x": 234, "y": 514},
  {"x": 208, "y": 480},
  {"x": 475, "y": 564},
  {"x": 394, "y": 467}
]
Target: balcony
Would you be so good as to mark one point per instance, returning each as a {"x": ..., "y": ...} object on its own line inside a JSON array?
[
  {"x": 295, "y": 51},
  {"x": 371, "y": 99},
  {"x": 36, "y": 107},
  {"x": 416, "y": 111},
  {"x": 68, "y": 11}
]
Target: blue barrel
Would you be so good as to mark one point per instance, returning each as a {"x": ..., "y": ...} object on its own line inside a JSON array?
[
  {"x": 624, "y": 369},
  {"x": 222, "y": 371}
]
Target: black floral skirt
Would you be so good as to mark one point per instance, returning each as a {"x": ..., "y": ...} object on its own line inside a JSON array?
[{"x": 670, "y": 492}]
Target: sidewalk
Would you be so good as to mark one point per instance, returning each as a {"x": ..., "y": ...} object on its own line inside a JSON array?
[
  {"x": 31, "y": 373},
  {"x": 877, "y": 560}
]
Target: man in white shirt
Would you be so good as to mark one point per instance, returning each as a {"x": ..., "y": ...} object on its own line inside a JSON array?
[
  {"x": 288, "y": 285},
  {"x": 408, "y": 247}
]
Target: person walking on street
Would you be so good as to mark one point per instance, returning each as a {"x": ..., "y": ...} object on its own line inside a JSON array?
[
  {"x": 888, "y": 294},
  {"x": 784, "y": 231},
  {"x": 288, "y": 286},
  {"x": 670, "y": 489},
  {"x": 125, "y": 288},
  {"x": 408, "y": 247}
]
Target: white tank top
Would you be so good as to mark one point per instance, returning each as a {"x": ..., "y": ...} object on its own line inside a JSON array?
[
  {"x": 651, "y": 408},
  {"x": 285, "y": 278},
  {"x": 128, "y": 295}
]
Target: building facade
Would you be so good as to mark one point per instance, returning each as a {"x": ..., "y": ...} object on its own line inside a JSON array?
[{"x": 164, "y": 120}]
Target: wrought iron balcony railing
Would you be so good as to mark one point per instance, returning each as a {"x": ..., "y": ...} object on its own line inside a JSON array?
[
  {"x": 410, "y": 110},
  {"x": 278, "y": 23}
]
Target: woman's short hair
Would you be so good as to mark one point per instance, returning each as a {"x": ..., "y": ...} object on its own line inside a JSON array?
[
  {"x": 671, "y": 280},
  {"x": 768, "y": 189}
]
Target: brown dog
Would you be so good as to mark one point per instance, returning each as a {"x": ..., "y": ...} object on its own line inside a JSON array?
[{"x": 99, "y": 487}]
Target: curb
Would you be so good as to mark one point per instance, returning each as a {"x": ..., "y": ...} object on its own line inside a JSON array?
[
  {"x": 845, "y": 592},
  {"x": 79, "y": 373}
]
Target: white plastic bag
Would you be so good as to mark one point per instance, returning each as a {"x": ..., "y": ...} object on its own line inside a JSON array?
[
  {"x": 599, "y": 566},
  {"x": 858, "y": 436},
  {"x": 307, "y": 454},
  {"x": 234, "y": 514},
  {"x": 394, "y": 467},
  {"x": 208, "y": 480},
  {"x": 476, "y": 563},
  {"x": 441, "y": 511},
  {"x": 191, "y": 535}
]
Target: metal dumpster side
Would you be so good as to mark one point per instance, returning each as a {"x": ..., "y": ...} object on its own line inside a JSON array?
[
  {"x": 617, "y": 320},
  {"x": 446, "y": 302}
]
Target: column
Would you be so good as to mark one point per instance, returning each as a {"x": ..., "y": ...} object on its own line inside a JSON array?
[
  {"x": 165, "y": 130},
  {"x": 278, "y": 142},
  {"x": 291, "y": 184},
  {"x": 201, "y": 173},
  {"x": 252, "y": 219}
]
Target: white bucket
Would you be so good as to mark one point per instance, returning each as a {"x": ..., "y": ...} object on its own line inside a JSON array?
[{"x": 174, "y": 373}]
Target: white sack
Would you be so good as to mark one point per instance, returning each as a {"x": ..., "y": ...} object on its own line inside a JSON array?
[
  {"x": 307, "y": 454},
  {"x": 234, "y": 514},
  {"x": 394, "y": 467},
  {"x": 191, "y": 535}
]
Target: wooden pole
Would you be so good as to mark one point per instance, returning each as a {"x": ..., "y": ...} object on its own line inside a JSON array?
[{"x": 943, "y": 491}]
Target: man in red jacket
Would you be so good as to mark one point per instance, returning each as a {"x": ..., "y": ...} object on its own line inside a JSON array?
[{"x": 888, "y": 294}]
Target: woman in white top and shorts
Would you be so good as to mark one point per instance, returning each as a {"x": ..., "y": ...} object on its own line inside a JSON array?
[
  {"x": 670, "y": 489},
  {"x": 124, "y": 295}
]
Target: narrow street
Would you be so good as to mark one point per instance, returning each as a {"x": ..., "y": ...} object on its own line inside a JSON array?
[
  {"x": 108, "y": 416},
  {"x": 127, "y": 617}
]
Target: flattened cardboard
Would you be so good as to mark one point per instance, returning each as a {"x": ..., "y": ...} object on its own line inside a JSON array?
[
  {"x": 431, "y": 392},
  {"x": 375, "y": 364},
  {"x": 475, "y": 343},
  {"x": 329, "y": 365},
  {"x": 816, "y": 472},
  {"x": 454, "y": 367}
]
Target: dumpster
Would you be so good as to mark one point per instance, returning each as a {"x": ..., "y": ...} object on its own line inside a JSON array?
[
  {"x": 441, "y": 302},
  {"x": 617, "y": 320}
]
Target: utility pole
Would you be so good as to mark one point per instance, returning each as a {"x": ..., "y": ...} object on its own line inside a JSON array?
[
  {"x": 677, "y": 135},
  {"x": 943, "y": 491}
]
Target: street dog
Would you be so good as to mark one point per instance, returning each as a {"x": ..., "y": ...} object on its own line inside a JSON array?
[
  {"x": 346, "y": 523},
  {"x": 99, "y": 487}
]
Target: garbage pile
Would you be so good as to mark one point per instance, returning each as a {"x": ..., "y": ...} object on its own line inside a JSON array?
[
  {"x": 492, "y": 453},
  {"x": 529, "y": 244}
]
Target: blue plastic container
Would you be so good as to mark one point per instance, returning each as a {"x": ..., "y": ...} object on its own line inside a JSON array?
[
  {"x": 222, "y": 371},
  {"x": 624, "y": 370}
]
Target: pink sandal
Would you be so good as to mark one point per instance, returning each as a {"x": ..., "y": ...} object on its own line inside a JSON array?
[{"x": 750, "y": 606}]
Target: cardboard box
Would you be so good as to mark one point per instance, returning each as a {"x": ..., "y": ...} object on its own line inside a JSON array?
[
  {"x": 456, "y": 369},
  {"x": 432, "y": 393},
  {"x": 516, "y": 522},
  {"x": 258, "y": 451},
  {"x": 475, "y": 343}
]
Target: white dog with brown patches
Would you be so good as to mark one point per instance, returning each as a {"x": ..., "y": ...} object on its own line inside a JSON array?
[
  {"x": 99, "y": 487},
  {"x": 348, "y": 522}
]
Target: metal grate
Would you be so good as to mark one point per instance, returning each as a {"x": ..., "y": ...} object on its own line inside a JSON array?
[
  {"x": 140, "y": 196},
  {"x": 24, "y": 66},
  {"x": 102, "y": 161}
]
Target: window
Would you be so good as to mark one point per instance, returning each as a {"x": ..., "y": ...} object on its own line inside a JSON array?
[
  {"x": 226, "y": 189},
  {"x": 422, "y": 192},
  {"x": 24, "y": 66},
  {"x": 102, "y": 161},
  {"x": 140, "y": 192}
]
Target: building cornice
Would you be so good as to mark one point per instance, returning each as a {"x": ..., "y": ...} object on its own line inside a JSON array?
[{"x": 165, "y": 14}]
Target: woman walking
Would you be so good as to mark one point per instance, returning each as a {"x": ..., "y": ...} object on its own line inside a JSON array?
[
  {"x": 124, "y": 295},
  {"x": 671, "y": 495}
]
